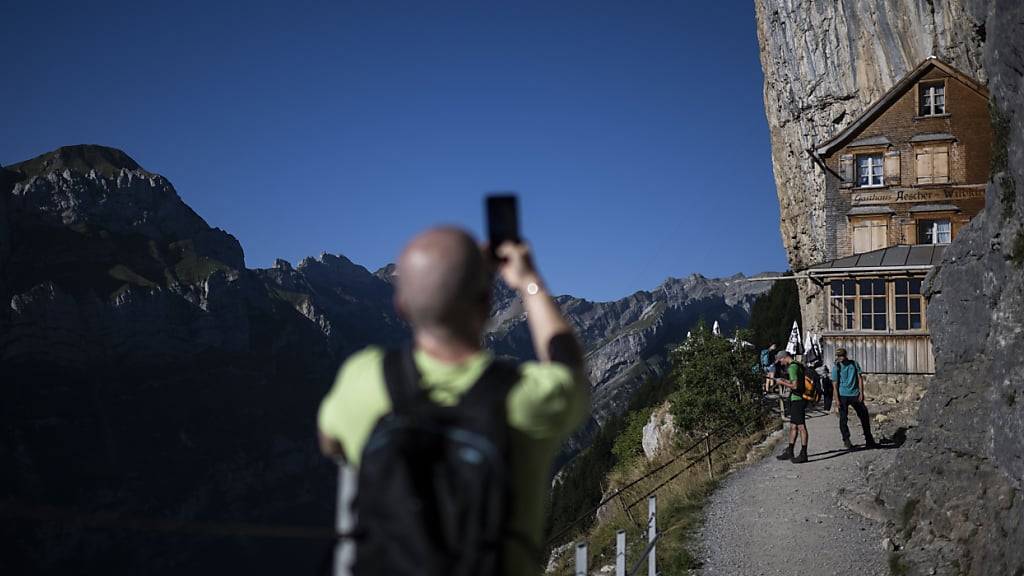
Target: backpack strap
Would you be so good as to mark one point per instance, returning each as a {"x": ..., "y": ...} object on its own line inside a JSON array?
[
  {"x": 402, "y": 379},
  {"x": 492, "y": 387}
]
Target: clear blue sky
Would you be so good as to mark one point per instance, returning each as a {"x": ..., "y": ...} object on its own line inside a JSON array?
[{"x": 633, "y": 131}]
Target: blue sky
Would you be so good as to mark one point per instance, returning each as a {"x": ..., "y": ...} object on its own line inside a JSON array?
[{"x": 634, "y": 132}]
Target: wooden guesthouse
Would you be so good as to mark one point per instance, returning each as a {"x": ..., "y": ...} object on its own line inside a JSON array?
[{"x": 901, "y": 182}]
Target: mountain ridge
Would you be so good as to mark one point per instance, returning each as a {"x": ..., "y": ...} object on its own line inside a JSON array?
[{"x": 138, "y": 345}]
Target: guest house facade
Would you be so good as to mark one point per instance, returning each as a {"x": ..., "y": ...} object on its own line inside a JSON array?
[{"x": 902, "y": 181}]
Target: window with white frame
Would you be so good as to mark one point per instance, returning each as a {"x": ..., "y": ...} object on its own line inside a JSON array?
[
  {"x": 865, "y": 299},
  {"x": 870, "y": 170},
  {"x": 872, "y": 304},
  {"x": 909, "y": 304},
  {"x": 934, "y": 232},
  {"x": 842, "y": 304},
  {"x": 932, "y": 98}
]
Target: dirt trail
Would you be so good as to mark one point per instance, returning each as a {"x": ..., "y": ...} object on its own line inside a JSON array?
[{"x": 779, "y": 518}]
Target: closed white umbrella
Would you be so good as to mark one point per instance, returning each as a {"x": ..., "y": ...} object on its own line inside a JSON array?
[
  {"x": 808, "y": 341},
  {"x": 716, "y": 329},
  {"x": 793, "y": 346}
]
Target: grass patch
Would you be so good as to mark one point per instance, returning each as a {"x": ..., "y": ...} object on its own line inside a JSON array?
[{"x": 193, "y": 269}]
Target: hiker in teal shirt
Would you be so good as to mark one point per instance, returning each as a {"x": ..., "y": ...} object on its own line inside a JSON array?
[{"x": 848, "y": 383}]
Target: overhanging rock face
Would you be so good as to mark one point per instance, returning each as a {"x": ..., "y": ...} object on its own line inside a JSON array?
[
  {"x": 824, "y": 64},
  {"x": 954, "y": 493},
  {"x": 955, "y": 489}
]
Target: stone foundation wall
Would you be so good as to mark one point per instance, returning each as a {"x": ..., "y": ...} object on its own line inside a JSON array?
[{"x": 901, "y": 387}]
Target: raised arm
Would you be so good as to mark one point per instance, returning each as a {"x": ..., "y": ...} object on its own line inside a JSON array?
[{"x": 553, "y": 337}]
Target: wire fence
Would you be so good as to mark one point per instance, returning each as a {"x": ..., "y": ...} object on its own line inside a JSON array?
[{"x": 646, "y": 487}]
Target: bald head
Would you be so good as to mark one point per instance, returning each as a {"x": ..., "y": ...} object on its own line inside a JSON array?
[{"x": 442, "y": 283}]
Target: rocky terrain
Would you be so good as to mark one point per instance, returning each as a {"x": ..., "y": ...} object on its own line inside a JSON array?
[
  {"x": 147, "y": 373},
  {"x": 953, "y": 493}
]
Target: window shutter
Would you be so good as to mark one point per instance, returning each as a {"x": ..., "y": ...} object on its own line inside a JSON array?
[
  {"x": 879, "y": 235},
  {"x": 940, "y": 165},
  {"x": 924, "y": 166},
  {"x": 892, "y": 167},
  {"x": 846, "y": 171},
  {"x": 861, "y": 238}
]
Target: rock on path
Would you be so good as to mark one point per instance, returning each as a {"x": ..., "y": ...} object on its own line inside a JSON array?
[{"x": 817, "y": 519}]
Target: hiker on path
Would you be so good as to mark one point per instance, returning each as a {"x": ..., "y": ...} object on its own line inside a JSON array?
[
  {"x": 443, "y": 290},
  {"x": 848, "y": 383},
  {"x": 797, "y": 407},
  {"x": 768, "y": 366},
  {"x": 818, "y": 372}
]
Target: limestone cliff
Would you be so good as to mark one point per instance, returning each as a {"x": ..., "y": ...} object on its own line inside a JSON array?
[
  {"x": 824, "y": 63},
  {"x": 954, "y": 493}
]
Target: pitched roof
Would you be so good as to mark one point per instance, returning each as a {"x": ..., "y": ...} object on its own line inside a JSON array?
[
  {"x": 873, "y": 111},
  {"x": 895, "y": 257}
]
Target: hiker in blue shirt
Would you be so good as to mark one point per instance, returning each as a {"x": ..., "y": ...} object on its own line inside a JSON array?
[
  {"x": 848, "y": 383},
  {"x": 768, "y": 366}
]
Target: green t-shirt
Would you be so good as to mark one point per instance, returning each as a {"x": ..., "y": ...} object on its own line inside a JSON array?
[
  {"x": 543, "y": 408},
  {"x": 796, "y": 374}
]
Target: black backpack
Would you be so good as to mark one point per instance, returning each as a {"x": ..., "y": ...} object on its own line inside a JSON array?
[{"x": 433, "y": 493}]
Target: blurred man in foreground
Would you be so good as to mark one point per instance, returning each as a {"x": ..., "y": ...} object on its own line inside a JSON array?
[{"x": 416, "y": 493}]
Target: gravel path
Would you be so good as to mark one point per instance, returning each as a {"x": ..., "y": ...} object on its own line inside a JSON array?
[{"x": 775, "y": 517}]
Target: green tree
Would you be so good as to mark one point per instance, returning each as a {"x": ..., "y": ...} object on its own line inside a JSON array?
[
  {"x": 773, "y": 313},
  {"x": 628, "y": 444},
  {"x": 717, "y": 382}
]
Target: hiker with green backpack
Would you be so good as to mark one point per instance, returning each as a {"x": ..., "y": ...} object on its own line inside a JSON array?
[{"x": 802, "y": 393}]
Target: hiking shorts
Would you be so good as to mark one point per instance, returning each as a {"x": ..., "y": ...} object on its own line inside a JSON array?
[{"x": 797, "y": 411}]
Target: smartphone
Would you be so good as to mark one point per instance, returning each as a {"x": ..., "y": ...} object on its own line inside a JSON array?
[{"x": 502, "y": 220}]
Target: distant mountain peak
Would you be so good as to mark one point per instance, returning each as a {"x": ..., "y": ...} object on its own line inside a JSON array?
[{"x": 81, "y": 158}]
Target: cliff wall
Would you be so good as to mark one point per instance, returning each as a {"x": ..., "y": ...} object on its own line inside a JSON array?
[
  {"x": 954, "y": 492},
  {"x": 825, "y": 63}
]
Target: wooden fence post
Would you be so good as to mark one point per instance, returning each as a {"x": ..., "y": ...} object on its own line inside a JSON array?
[
  {"x": 625, "y": 508},
  {"x": 707, "y": 446}
]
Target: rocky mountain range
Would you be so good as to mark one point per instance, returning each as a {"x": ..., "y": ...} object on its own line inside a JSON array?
[
  {"x": 149, "y": 374},
  {"x": 954, "y": 494}
]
